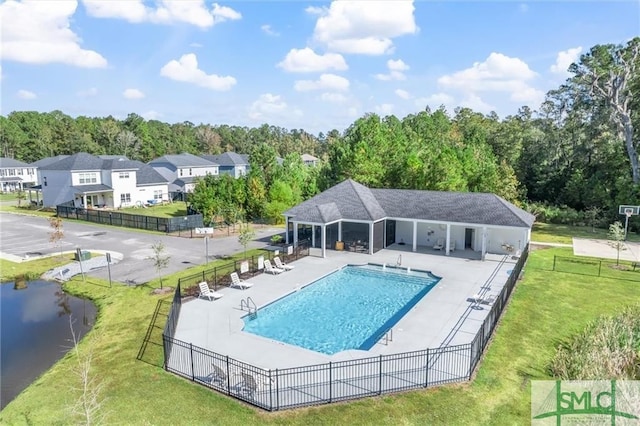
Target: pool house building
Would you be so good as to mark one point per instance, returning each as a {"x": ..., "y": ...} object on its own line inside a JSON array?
[{"x": 350, "y": 216}]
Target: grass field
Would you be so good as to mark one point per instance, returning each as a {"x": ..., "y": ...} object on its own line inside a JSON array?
[
  {"x": 552, "y": 233},
  {"x": 546, "y": 308},
  {"x": 177, "y": 209}
]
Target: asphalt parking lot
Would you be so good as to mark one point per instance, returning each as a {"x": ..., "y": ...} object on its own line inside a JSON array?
[{"x": 25, "y": 237}]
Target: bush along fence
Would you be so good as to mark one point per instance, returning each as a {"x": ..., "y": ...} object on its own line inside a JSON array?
[
  {"x": 151, "y": 223},
  {"x": 622, "y": 270},
  {"x": 287, "y": 388},
  {"x": 220, "y": 275}
]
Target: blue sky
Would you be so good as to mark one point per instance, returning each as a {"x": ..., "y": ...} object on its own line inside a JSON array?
[{"x": 295, "y": 64}]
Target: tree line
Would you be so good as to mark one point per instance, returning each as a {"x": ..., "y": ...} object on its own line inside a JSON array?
[{"x": 574, "y": 158}]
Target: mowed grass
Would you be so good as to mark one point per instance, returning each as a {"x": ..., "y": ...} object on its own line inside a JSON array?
[
  {"x": 546, "y": 308},
  {"x": 175, "y": 209},
  {"x": 553, "y": 233}
]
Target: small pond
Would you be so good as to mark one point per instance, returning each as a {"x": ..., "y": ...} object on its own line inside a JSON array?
[{"x": 35, "y": 332}]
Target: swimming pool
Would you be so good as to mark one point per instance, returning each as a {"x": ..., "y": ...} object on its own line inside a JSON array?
[{"x": 348, "y": 309}]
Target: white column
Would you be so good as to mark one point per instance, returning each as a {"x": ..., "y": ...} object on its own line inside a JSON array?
[
  {"x": 371, "y": 238},
  {"x": 339, "y": 231},
  {"x": 484, "y": 242},
  {"x": 295, "y": 234},
  {"x": 415, "y": 236},
  {"x": 286, "y": 227},
  {"x": 448, "y": 238},
  {"x": 84, "y": 200},
  {"x": 323, "y": 240},
  {"x": 313, "y": 235}
]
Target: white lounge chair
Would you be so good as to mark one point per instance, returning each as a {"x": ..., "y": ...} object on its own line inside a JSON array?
[
  {"x": 271, "y": 269},
  {"x": 281, "y": 265},
  {"x": 238, "y": 283},
  {"x": 483, "y": 299},
  {"x": 439, "y": 245},
  {"x": 452, "y": 245},
  {"x": 205, "y": 291},
  {"x": 218, "y": 376}
]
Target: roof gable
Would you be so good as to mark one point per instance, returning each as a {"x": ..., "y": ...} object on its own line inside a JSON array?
[
  {"x": 12, "y": 163},
  {"x": 228, "y": 159},
  {"x": 183, "y": 160}
]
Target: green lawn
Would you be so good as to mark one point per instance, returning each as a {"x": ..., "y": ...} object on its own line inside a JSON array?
[
  {"x": 177, "y": 209},
  {"x": 546, "y": 308},
  {"x": 552, "y": 233}
]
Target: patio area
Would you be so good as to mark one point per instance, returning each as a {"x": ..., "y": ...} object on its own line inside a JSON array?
[{"x": 446, "y": 316}]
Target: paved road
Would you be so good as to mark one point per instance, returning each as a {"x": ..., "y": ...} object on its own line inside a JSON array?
[{"x": 28, "y": 236}]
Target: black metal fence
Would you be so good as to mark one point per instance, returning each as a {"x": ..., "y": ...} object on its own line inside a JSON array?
[
  {"x": 604, "y": 268},
  {"x": 151, "y": 223},
  {"x": 220, "y": 275},
  {"x": 336, "y": 381}
]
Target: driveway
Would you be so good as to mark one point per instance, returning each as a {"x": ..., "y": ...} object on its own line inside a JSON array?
[{"x": 24, "y": 237}]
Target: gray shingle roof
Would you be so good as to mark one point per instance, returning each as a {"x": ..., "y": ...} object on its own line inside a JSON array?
[
  {"x": 184, "y": 160},
  {"x": 228, "y": 159},
  {"x": 11, "y": 163},
  {"x": 354, "y": 201},
  {"x": 85, "y": 189},
  {"x": 48, "y": 160},
  {"x": 147, "y": 175},
  {"x": 79, "y": 161}
]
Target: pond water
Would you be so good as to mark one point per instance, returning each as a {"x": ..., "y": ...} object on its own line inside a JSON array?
[{"x": 35, "y": 332}]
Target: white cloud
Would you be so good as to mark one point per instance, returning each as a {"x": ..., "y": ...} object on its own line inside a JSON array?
[
  {"x": 266, "y": 28},
  {"x": 306, "y": 60},
  {"x": 499, "y": 73},
  {"x": 151, "y": 115},
  {"x": 132, "y": 94},
  {"x": 268, "y": 106},
  {"x": 325, "y": 82},
  {"x": 88, "y": 93},
  {"x": 26, "y": 94},
  {"x": 475, "y": 103},
  {"x": 435, "y": 101},
  {"x": 193, "y": 12},
  {"x": 337, "y": 98},
  {"x": 402, "y": 94},
  {"x": 38, "y": 32},
  {"x": 384, "y": 109},
  {"x": 395, "y": 71},
  {"x": 186, "y": 70},
  {"x": 315, "y": 10},
  {"x": 564, "y": 60},
  {"x": 364, "y": 27}
]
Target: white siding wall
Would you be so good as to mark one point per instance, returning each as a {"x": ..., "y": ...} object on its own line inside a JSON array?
[
  {"x": 496, "y": 237},
  {"x": 145, "y": 193},
  {"x": 404, "y": 232},
  {"x": 124, "y": 186}
]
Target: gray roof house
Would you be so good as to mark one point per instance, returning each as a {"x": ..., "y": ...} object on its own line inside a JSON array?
[
  {"x": 16, "y": 175},
  {"x": 230, "y": 163},
  {"x": 351, "y": 216},
  {"x": 90, "y": 181},
  {"x": 182, "y": 170}
]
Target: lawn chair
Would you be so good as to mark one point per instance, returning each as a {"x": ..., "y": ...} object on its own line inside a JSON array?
[
  {"x": 238, "y": 283},
  {"x": 271, "y": 269},
  {"x": 205, "y": 291},
  {"x": 218, "y": 376},
  {"x": 439, "y": 245},
  {"x": 281, "y": 265}
]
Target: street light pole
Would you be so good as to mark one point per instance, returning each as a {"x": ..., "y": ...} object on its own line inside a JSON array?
[{"x": 206, "y": 250}]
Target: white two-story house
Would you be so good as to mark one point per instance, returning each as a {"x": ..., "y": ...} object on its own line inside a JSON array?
[
  {"x": 16, "y": 175},
  {"x": 90, "y": 181},
  {"x": 182, "y": 170}
]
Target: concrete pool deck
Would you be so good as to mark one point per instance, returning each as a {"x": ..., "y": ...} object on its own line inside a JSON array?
[{"x": 444, "y": 317}]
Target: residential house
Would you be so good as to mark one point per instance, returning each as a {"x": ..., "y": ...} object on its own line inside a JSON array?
[
  {"x": 182, "y": 170},
  {"x": 90, "y": 181},
  {"x": 16, "y": 175},
  {"x": 363, "y": 219},
  {"x": 310, "y": 160},
  {"x": 230, "y": 163}
]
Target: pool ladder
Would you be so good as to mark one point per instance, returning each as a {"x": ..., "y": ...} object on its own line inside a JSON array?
[
  {"x": 250, "y": 306},
  {"x": 387, "y": 337},
  {"x": 399, "y": 261}
]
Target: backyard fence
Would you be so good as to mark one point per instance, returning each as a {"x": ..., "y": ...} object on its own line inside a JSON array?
[
  {"x": 220, "y": 275},
  {"x": 151, "y": 223},
  {"x": 287, "y": 388},
  {"x": 603, "y": 268}
]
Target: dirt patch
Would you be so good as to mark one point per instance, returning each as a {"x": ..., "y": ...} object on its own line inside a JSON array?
[{"x": 163, "y": 290}]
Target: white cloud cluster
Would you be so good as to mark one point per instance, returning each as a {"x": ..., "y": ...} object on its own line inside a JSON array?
[
  {"x": 186, "y": 70},
  {"x": 498, "y": 73},
  {"x": 26, "y": 94},
  {"x": 363, "y": 27},
  {"x": 325, "y": 82},
  {"x": 396, "y": 69},
  {"x": 193, "y": 12},
  {"x": 269, "y": 106},
  {"x": 38, "y": 32},
  {"x": 403, "y": 94},
  {"x": 306, "y": 60},
  {"x": 133, "y": 94},
  {"x": 268, "y": 30},
  {"x": 564, "y": 59}
]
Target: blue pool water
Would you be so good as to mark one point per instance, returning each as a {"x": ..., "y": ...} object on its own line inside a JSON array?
[{"x": 348, "y": 309}]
